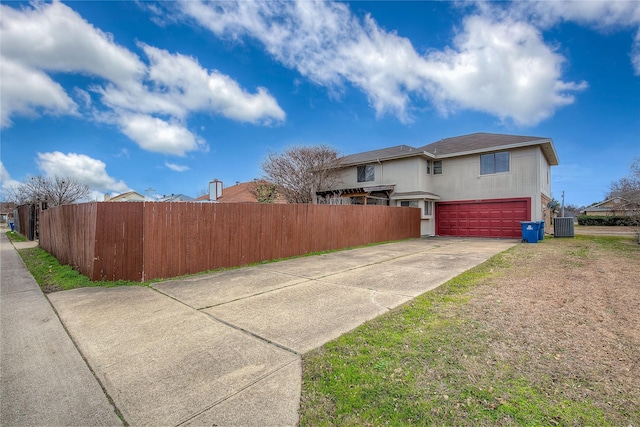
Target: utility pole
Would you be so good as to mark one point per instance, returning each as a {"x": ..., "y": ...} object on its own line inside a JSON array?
[{"x": 562, "y": 207}]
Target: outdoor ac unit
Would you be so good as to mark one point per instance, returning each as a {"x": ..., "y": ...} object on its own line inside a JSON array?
[{"x": 563, "y": 227}]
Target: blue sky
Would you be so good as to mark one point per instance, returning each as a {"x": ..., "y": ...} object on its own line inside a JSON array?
[{"x": 170, "y": 95}]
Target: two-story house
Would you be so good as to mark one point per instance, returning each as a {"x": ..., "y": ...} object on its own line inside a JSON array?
[{"x": 473, "y": 185}]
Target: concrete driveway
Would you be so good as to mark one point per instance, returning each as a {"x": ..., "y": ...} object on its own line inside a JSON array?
[{"x": 224, "y": 348}]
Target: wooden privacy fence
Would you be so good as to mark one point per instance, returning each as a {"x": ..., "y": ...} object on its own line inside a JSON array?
[
  {"x": 141, "y": 241},
  {"x": 25, "y": 218}
]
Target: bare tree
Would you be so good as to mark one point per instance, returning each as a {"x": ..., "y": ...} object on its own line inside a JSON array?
[
  {"x": 628, "y": 185},
  {"x": 300, "y": 171},
  {"x": 55, "y": 191},
  {"x": 628, "y": 188},
  {"x": 202, "y": 192},
  {"x": 572, "y": 210}
]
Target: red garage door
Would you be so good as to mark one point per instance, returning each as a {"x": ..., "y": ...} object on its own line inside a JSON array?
[{"x": 483, "y": 218}]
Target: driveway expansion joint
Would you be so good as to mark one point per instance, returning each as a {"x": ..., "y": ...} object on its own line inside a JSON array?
[
  {"x": 254, "y": 335},
  {"x": 238, "y": 391},
  {"x": 249, "y": 296},
  {"x": 117, "y": 410}
]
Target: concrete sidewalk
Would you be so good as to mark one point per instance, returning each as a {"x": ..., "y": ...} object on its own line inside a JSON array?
[
  {"x": 224, "y": 348},
  {"x": 43, "y": 378}
]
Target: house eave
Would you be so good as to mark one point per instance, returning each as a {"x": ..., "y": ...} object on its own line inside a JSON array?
[
  {"x": 417, "y": 153},
  {"x": 357, "y": 190},
  {"x": 545, "y": 144},
  {"x": 414, "y": 195}
]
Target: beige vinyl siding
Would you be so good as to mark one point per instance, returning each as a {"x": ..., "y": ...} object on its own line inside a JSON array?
[
  {"x": 461, "y": 179},
  {"x": 406, "y": 174},
  {"x": 544, "y": 180},
  {"x": 545, "y": 175}
]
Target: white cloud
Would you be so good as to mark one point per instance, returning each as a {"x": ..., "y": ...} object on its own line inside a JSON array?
[
  {"x": 154, "y": 134},
  {"x": 6, "y": 181},
  {"x": 330, "y": 46},
  {"x": 26, "y": 91},
  {"x": 45, "y": 38},
  {"x": 54, "y": 37},
  {"x": 503, "y": 68},
  {"x": 603, "y": 15},
  {"x": 84, "y": 169},
  {"x": 175, "y": 167},
  {"x": 181, "y": 86}
]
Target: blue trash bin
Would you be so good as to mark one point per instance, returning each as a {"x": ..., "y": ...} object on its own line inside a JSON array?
[
  {"x": 540, "y": 230},
  {"x": 529, "y": 231}
]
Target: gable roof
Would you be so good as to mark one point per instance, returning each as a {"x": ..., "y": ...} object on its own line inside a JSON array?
[
  {"x": 175, "y": 198},
  {"x": 397, "y": 152},
  {"x": 483, "y": 142},
  {"x": 627, "y": 199},
  {"x": 125, "y": 197},
  {"x": 474, "y": 143}
]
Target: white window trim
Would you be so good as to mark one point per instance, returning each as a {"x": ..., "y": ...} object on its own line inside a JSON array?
[
  {"x": 424, "y": 215},
  {"x": 494, "y": 173},
  {"x": 433, "y": 166},
  {"x": 365, "y": 172},
  {"x": 421, "y": 205}
]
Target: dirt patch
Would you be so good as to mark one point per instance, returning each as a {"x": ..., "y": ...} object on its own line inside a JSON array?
[
  {"x": 595, "y": 230},
  {"x": 568, "y": 314}
]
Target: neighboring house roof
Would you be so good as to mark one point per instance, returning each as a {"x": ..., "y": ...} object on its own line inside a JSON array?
[
  {"x": 127, "y": 197},
  {"x": 243, "y": 192},
  {"x": 176, "y": 198},
  {"x": 631, "y": 196},
  {"x": 7, "y": 207},
  {"x": 483, "y": 142},
  {"x": 631, "y": 202}
]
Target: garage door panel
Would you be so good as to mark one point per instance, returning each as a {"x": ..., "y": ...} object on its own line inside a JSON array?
[{"x": 491, "y": 218}]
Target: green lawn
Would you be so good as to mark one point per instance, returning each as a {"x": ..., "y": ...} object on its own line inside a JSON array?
[
  {"x": 427, "y": 363},
  {"x": 51, "y": 276},
  {"x": 14, "y": 236}
]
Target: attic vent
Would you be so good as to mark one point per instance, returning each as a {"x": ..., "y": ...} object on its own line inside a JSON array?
[{"x": 563, "y": 227}]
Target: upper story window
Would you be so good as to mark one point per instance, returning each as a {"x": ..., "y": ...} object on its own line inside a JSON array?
[
  {"x": 494, "y": 163},
  {"x": 428, "y": 167},
  {"x": 437, "y": 167},
  {"x": 366, "y": 173}
]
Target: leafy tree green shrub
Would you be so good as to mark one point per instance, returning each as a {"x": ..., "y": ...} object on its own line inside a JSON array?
[
  {"x": 608, "y": 220},
  {"x": 266, "y": 193}
]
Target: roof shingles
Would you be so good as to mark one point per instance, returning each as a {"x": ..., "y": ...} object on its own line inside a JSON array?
[
  {"x": 476, "y": 142},
  {"x": 381, "y": 154},
  {"x": 459, "y": 145}
]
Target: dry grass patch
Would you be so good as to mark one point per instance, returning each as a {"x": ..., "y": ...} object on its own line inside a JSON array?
[
  {"x": 545, "y": 334},
  {"x": 569, "y": 315}
]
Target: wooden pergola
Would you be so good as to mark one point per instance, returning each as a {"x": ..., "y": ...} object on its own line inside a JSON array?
[{"x": 360, "y": 195}]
